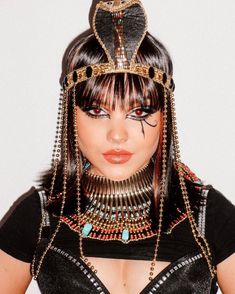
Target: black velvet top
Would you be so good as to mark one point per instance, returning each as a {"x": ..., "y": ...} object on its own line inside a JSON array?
[{"x": 63, "y": 270}]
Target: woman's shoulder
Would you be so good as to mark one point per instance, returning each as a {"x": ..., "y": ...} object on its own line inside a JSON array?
[
  {"x": 218, "y": 202},
  {"x": 220, "y": 224},
  {"x": 20, "y": 225},
  {"x": 214, "y": 212},
  {"x": 27, "y": 205}
]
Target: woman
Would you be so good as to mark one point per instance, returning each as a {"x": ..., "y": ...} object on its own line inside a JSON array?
[{"x": 119, "y": 212}]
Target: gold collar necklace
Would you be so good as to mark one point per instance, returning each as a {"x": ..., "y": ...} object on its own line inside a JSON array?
[{"x": 118, "y": 210}]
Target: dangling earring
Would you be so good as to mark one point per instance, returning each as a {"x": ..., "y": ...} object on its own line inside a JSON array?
[{"x": 85, "y": 163}]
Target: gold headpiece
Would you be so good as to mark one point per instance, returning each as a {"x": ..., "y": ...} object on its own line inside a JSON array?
[{"x": 120, "y": 27}]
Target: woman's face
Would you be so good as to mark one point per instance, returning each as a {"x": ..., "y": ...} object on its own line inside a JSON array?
[{"x": 118, "y": 142}]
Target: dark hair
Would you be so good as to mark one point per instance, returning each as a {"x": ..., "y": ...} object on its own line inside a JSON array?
[{"x": 124, "y": 88}]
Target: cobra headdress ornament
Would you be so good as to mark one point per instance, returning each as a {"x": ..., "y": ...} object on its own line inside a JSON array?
[{"x": 120, "y": 27}]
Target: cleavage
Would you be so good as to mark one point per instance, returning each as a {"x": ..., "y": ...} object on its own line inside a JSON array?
[{"x": 125, "y": 276}]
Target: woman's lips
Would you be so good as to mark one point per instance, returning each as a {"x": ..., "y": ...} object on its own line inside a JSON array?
[{"x": 117, "y": 156}]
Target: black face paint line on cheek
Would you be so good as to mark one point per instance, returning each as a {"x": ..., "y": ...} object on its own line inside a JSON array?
[
  {"x": 142, "y": 128},
  {"x": 153, "y": 126}
]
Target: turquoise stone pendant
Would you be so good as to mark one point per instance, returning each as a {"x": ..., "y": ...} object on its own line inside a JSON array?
[
  {"x": 86, "y": 229},
  {"x": 125, "y": 235}
]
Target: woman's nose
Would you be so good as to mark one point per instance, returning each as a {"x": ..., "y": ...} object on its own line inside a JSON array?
[{"x": 117, "y": 132}]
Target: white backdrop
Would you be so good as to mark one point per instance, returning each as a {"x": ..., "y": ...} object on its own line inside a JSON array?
[{"x": 200, "y": 36}]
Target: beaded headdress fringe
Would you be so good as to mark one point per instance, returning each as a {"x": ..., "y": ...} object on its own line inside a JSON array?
[{"x": 120, "y": 27}]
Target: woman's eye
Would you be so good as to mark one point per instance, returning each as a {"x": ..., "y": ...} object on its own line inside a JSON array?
[
  {"x": 95, "y": 112},
  {"x": 140, "y": 113}
]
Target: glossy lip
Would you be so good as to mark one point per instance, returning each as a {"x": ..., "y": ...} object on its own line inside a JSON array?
[{"x": 117, "y": 156}]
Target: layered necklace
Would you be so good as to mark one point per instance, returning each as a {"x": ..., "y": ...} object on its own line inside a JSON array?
[{"x": 116, "y": 210}]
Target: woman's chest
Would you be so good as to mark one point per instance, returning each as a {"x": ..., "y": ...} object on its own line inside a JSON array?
[
  {"x": 125, "y": 276},
  {"x": 63, "y": 272}
]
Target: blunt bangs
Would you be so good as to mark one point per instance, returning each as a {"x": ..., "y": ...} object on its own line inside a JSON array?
[{"x": 120, "y": 89}]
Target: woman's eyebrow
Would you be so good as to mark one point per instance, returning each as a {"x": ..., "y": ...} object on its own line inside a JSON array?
[{"x": 108, "y": 105}]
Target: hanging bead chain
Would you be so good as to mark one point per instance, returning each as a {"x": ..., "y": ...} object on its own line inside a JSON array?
[
  {"x": 54, "y": 164},
  {"x": 58, "y": 137},
  {"x": 77, "y": 161},
  {"x": 162, "y": 186},
  {"x": 65, "y": 176},
  {"x": 56, "y": 156},
  {"x": 197, "y": 235},
  {"x": 78, "y": 177}
]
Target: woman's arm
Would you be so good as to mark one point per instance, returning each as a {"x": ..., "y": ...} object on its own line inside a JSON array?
[
  {"x": 14, "y": 274},
  {"x": 226, "y": 275}
]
